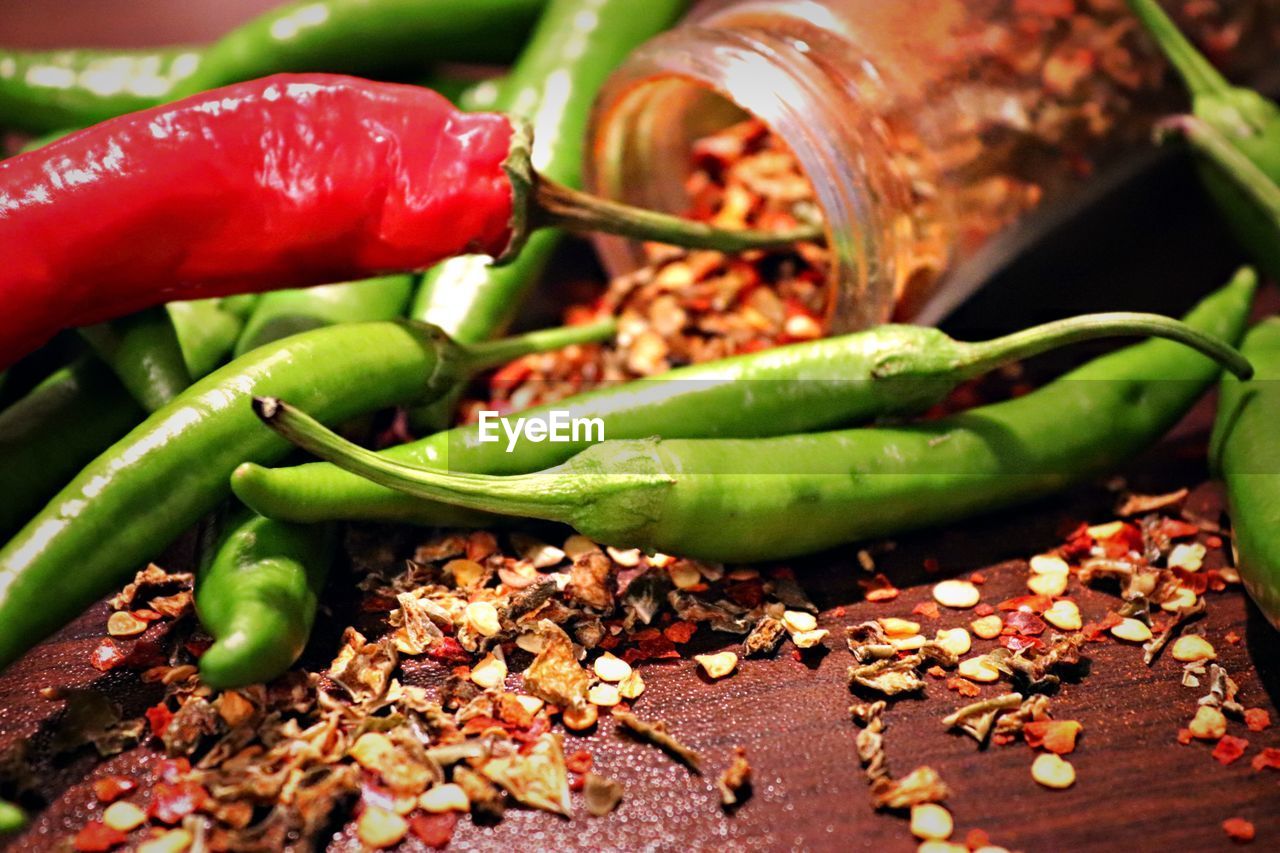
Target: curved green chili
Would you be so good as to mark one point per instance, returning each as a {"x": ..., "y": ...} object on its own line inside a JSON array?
[
  {"x": 174, "y": 467},
  {"x": 1246, "y": 455},
  {"x": 256, "y": 595},
  {"x": 143, "y": 351},
  {"x": 573, "y": 49},
  {"x": 890, "y": 370},
  {"x": 1242, "y": 117},
  {"x": 772, "y": 498},
  {"x": 257, "y": 589},
  {"x": 50, "y": 90},
  {"x": 282, "y": 313},
  {"x": 79, "y": 410}
]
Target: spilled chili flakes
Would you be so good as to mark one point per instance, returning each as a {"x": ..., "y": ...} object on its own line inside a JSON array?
[
  {"x": 1057, "y": 736},
  {"x": 97, "y": 837},
  {"x": 878, "y": 588},
  {"x": 107, "y": 656},
  {"x": 171, "y": 802},
  {"x": 1268, "y": 758},
  {"x": 1257, "y": 719},
  {"x": 1238, "y": 829},
  {"x": 108, "y": 789},
  {"x": 680, "y": 632},
  {"x": 434, "y": 830},
  {"x": 1229, "y": 749}
]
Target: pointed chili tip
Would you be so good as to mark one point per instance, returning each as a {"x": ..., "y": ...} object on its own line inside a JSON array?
[{"x": 267, "y": 408}]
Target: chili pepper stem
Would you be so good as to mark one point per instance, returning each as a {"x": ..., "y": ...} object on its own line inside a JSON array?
[
  {"x": 543, "y": 495},
  {"x": 476, "y": 357},
  {"x": 556, "y": 205},
  {"x": 1215, "y": 147},
  {"x": 1200, "y": 77},
  {"x": 980, "y": 358}
]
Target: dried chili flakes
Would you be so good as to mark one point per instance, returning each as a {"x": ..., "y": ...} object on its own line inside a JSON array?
[
  {"x": 107, "y": 656},
  {"x": 578, "y": 762},
  {"x": 97, "y": 837},
  {"x": 171, "y": 802},
  {"x": 158, "y": 717},
  {"x": 1257, "y": 719},
  {"x": 1229, "y": 749},
  {"x": 108, "y": 789},
  {"x": 878, "y": 587},
  {"x": 434, "y": 830},
  {"x": 927, "y": 609},
  {"x": 1238, "y": 829},
  {"x": 1185, "y": 736},
  {"x": 1268, "y": 758},
  {"x": 1057, "y": 736},
  {"x": 1026, "y": 603},
  {"x": 963, "y": 686},
  {"x": 680, "y": 632}
]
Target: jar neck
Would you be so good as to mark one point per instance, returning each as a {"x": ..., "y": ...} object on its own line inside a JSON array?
[{"x": 694, "y": 81}]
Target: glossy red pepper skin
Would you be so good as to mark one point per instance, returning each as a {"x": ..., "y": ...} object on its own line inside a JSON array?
[{"x": 285, "y": 181}]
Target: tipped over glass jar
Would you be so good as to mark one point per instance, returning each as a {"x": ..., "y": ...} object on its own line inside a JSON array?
[{"x": 936, "y": 134}]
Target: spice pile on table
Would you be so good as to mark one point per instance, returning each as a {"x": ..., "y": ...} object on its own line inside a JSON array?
[{"x": 688, "y": 307}]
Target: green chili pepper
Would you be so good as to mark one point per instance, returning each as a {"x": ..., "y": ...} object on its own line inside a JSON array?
[
  {"x": 207, "y": 331},
  {"x": 891, "y": 370},
  {"x": 41, "y": 91},
  {"x": 79, "y": 410},
  {"x": 12, "y": 818},
  {"x": 772, "y": 498},
  {"x": 574, "y": 48},
  {"x": 174, "y": 467},
  {"x": 1240, "y": 117},
  {"x": 143, "y": 351},
  {"x": 256, "y": 594},
  {"x": 1246, "y": 455},
  {"x": 257, "y": 590},
  {"x": 282, "y": 313}
]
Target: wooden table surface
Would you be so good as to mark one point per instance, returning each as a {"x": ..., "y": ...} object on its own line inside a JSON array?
[{"x": 1137, "y": 789}]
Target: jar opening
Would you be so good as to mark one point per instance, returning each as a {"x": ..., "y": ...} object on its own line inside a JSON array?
[{"x": 688, "y": 85}]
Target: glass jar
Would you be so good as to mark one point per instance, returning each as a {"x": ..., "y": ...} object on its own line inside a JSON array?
[{"x": 928, "y": 127}]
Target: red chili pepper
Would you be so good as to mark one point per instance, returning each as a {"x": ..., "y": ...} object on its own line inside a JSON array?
[
  {"x": 97, "y": 837},
  {"x": 291, "y": 180}
]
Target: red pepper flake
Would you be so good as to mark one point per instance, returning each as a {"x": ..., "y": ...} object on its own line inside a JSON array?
[
  {"x": 97, "y": 837},
  {"x": 680, "y": 632},
  {"x": 839, "y": 612},
  {"x": 1031, "y": 603},
  {"x": 927, "y": 609},
  {"x": 1016, "y": 643},
  {"x": 1057, "y": 736},
  {"x": 434, "y": 830},
  {"x": 1175, "y": 529},
  {"x": 610, "y": 642},
  {"x": 146, "y": 615},
  {"x": 1213, "y": 541},
  {"x": 1233, "y": 638},
  {"x": 651, "y": 644},
  {"x": 878, "y": 588},
  {"x": 1269, "y": 758},
  {"x": 1229, "y": 749},
  {"x": 108, "y": 789},
  {"x": 963, "y": 686},
  {"x": 107, "y": 656},
  {"x": 577, "y": 784},
  {"x": 170, "y": 803},
  {"x": 1197, "y": 582},
  {"x": 159, "y": 716},
  {"x": 1096, "y": 632},
  {"x": 1025, "y": 623},
  {"x": 976, "y": 839},
  {"x": 1078, "y": 543},
  {"x": 1001, "y": 739},
  {"x": 578, "y": 762},
  {"x": 447, "y": 651},
  {"x": 1185, "y": 737},
  {"x": 936, "y": 671},
  {"x": 480, "y": 723},
  {"x": 171, "y": 769},
  {"x": 1127, "y": 538},
  {"x": 1257, "y": 719},
  {"x": 1238, "y": 829},
  {"x": 197, "y": 646},
  {"x": 977, "y": 578},
  {"x": 983, "y": 609}
]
